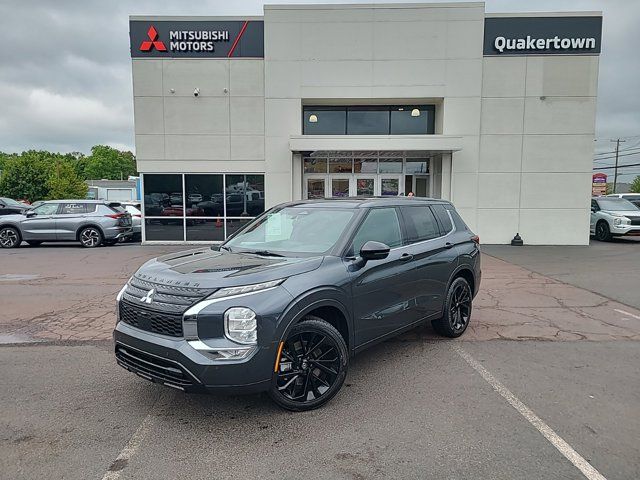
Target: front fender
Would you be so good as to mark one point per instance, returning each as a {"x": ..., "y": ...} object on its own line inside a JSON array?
[{"x": 325, "y": 296}]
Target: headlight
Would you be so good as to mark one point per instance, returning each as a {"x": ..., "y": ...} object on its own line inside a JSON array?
[
  {"x": 229, "y": 291},
  {"x": 617, "y": 221},
  {"x": 240, "y": 325}
]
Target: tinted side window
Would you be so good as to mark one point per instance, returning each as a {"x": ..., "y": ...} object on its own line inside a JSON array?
[
  {"x": 73, "y": 208},
  {"x": 46, "y": 209},
  {"x": 443, "y": 218},
  {"x": 420, "y": 222},
  {"x": 381, "y": 225}
]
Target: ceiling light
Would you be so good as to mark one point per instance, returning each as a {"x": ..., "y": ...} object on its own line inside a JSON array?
[
  {"x": 313, "y": 118},
  {"x": 415, "y": 112}
]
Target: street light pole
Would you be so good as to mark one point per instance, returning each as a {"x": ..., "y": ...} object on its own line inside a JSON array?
[{"x": 615, "y": 171}]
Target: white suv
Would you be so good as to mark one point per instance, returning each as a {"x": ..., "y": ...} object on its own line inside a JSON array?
[{"x": 612, "y": 217}]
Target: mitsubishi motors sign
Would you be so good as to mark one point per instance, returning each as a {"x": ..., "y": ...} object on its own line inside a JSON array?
[
  {"x": 542, "y": 35},
  {"x": 197, "y": 38}
]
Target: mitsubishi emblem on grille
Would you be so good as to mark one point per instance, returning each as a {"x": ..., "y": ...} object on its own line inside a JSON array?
[{"x": 148, "y": 298}]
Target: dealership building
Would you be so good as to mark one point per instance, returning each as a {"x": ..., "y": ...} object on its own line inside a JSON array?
[{"x": 494, "y": 112}]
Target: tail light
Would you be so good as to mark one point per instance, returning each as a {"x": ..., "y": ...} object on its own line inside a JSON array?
[
  {"x": 115, "y": 216},
  {"x": 476, "y": 239},
  {"x": 138, "y": 215}
]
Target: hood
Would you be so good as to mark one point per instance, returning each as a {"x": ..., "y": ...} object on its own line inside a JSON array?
[
  {"x": 206, "y": 268},
  {"x": 13, "y": 217},
  {"x": 623, "y": 213}
]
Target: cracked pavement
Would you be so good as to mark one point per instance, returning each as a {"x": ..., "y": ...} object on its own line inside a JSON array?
[{"x": 65, "y": 293}]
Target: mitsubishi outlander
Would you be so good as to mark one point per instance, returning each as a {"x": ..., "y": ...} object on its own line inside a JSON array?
[{"x": 284, "y": 304}]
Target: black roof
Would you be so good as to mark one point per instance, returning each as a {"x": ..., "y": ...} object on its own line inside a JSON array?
[{"x": 367, "y": 202}]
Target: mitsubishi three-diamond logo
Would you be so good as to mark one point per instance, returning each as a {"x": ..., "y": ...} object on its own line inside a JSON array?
[{"x": 153, "y": 42}]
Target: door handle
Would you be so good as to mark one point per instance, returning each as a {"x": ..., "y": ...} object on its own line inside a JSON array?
[
  {"x": 405, "y": 257},
  {"x": 448, "y": 245}
]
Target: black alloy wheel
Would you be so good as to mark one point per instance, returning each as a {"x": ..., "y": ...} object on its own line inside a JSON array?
[
  {"x": 9, "y": 237},
  {"x": 312, "y": 366},
  {"x": 457, "y": 312},
  {"x": 602, "y": 231},
  {"x": 90, "y": 237}
]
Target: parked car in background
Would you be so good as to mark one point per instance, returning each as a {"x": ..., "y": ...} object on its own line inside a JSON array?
[
  {"x": 135, "y": 210},
  {"x": 284, "y": 304},
  {"x": 8, "y": 206},
  {"x": 632, "y": 197},
  {"x": 90, "y": 222},
  {"x": 613, "y": 217}
]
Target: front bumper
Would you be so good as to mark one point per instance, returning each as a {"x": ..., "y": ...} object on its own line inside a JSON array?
[
  {"x": 177, "y": 363},
  {"x": 625, "y": 229}
]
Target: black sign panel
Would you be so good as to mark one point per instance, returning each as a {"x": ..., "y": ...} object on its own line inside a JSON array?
[
  {"x": 542, "y": 35},
  {"x": 196, "y": 39}
]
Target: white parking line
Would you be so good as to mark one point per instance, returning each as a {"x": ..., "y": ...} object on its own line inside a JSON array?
[
  {"x": 626, "y": 313},
  {"x": 132, "y": 445},
  {"x": 563, "y": 447}
]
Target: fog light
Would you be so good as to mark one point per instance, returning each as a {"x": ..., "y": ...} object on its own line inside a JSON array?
[{"x": 240, "y": 325}]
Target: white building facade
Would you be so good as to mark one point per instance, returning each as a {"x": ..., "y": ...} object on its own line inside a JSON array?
[{"x": 494, "y": 112}]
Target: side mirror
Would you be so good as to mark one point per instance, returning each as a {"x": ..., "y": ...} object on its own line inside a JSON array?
[
  {"x": 593, "y": 209},
  {"x": 374, "y": 251},
  {"x": 30, "y": 214}
]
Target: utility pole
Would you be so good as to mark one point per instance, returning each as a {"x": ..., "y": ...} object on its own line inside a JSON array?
[{"x": 615, "y": 171}]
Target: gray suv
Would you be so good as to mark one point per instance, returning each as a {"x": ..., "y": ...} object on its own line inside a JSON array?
[
  {"x": 90, "y": 222},
  {"x": 284, "y": 304}
]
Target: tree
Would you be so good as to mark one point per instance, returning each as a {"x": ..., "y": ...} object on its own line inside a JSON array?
[
  {"x": 635, "y": 185},
  {"x": 108, "y": 163},
  {"x": 64, "y": 182},
  {"x": 26, "y": 176}
]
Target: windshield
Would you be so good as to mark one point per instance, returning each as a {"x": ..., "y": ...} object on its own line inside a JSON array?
[
  {"x": 617, "y": 204},
  {"x": 9, "y": 201},
  {"x": 297, "y": 230}
]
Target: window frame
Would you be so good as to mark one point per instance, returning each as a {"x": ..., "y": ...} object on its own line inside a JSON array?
[
  {"x": 429, "y": 109},
  {"x": 190, "y": 220}
]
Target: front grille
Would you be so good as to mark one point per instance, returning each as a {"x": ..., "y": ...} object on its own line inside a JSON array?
[
  {"x": 174, "y": 299},
  {"x": 153, "y": 368},
  {"x": 151, "y": 320},
  {"x": 635, "y": 221}
]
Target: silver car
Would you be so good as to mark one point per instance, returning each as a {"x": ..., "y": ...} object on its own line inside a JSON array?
[
  {"x": 613, "y": 217},
  {"x": 90, "y": 222}
]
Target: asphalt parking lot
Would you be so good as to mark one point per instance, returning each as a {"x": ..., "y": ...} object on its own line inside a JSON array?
[{"x": 414, "y": 407}]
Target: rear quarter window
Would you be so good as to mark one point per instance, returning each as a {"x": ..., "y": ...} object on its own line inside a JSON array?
[
  {"x": 457, "y": 219},
  {"x": 443, "y": 217}
]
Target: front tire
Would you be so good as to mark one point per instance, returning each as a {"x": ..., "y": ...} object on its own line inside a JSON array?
[
  {"x": 10, "y": 237},
  {"x": 312, "y": 366},
  {"x": 90, "y": 237},
  {"x": 457, "y": 310},
  {"x": 602, "y": 231}
]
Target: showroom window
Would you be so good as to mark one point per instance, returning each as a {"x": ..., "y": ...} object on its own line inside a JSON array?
[
  {"x": 369, "y": 120},
  {"x": 199, "y": 207}
]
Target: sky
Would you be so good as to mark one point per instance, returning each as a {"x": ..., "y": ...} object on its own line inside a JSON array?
[{"x": 65, "y": 70}]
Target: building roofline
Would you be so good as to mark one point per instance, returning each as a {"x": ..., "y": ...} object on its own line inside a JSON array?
[
  {"x": 342, "y": 6},
  {"x": 188, "y": 18},
  {"x": 577, "y": 13}
]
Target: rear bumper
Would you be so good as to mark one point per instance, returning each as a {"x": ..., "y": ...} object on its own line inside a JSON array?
[
  {"x": 175, "y": 363},
  {"x": 113, "y": 233}
]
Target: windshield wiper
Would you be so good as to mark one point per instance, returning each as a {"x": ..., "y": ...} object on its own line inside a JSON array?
[{"x": 265, "y": 253}]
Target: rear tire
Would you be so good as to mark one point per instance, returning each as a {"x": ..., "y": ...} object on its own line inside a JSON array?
[
  {"x": 90, "y": 237},
  {"x": 312, "y": 366},
  {"x": 457, "y": 310},
  {"x": 34, "y": 243},
  {"x": 602, "y": 231},
  {"x": 10, "y": 237}
]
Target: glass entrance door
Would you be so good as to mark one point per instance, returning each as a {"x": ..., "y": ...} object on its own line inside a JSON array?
[{"x": 340, "y": 186}]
